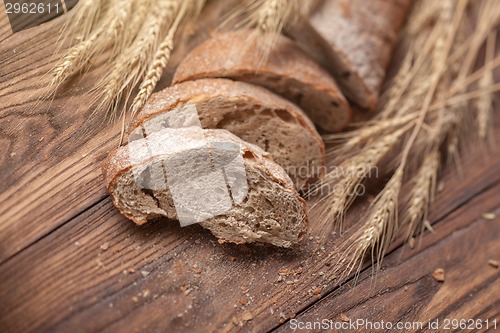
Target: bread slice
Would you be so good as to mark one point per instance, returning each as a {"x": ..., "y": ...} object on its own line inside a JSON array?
[
  {"x": 263, "y": 206},
  {"x": 288, "y": 71},
  {"x": 252, "y": 113},
  {"x": 354, "y": 40}
]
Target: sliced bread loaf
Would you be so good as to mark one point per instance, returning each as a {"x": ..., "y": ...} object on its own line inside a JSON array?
[
  {"x": 252, "y": 113},
  {"x": 354, "y": 39},
  {"x": 287, "y": 71},
  {"x": 263, "y": 205}
]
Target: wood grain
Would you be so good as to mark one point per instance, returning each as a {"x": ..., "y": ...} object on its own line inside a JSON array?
[
  {"x": 70, "y": 262},
  {"x": 405, "y": 291},
  {"x": 183, "y": 279},
  {"x": 5, "y": 29},
  {"x": 53, "y": 150}
]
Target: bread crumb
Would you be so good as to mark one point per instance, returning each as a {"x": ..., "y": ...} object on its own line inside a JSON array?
[
  {"x": 493, "y": 263},
  {"x": 406, "y": 288},
  {"x": 135, "y": 299},
  {"x": 185, "y": 289},
  {"x": 13, "y": 154},
  {"x": 145, "y": 273},
  {"x": 316, "y": 291},
  {"x": 440, "y": 186},
  {"x": 77, "y": 243},
  {"x": 488, "y": 216},
  {"x": 246, "y": 316},
  {"x": 236, "y": 321},
  {"x": 244, "y": 289},
  {"x": 438, "y": 274},
  {"x": 221, "y": 241},
  {"x": 146, "y": 293},
  {"x": 344, "y": 318},
  {"x": 105, "y": 246}
]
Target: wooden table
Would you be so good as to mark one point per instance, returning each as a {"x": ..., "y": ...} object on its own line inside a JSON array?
[{"x": 70, "y": 262}]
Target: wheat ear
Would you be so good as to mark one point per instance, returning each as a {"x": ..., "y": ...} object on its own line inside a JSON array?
[
  {"x": 484, "y": 104},
  {"x": 267, "y": 18},
  {"x": 341, "y": 184},
  {"x": 422, "y": 194},
  {"x": 132, "y": 63},
  {"x": 377, "y": 232},
  {"x": 162, "y": 56}
]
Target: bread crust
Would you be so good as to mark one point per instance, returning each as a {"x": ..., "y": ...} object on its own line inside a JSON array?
[
  {"x": 118, "y": 163},
  {"x": 237, "y": 55},
  {"x": 211, "y": 89},
  {"x": 354, "y": 39}
]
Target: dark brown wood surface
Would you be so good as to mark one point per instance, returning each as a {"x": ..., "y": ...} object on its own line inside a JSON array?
[{"x": 69, "y": 262}]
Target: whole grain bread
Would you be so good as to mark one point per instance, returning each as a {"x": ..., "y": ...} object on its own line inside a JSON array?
[
  {"x": 287, "y": 71},
  {"x": 252, "y": 113},
  {"x": 354, "y": 39},
  {"x": 269, "y": 211}
]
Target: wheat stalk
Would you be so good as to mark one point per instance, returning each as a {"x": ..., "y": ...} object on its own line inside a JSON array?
[
  {"x": 378, "y": 230},
  {"x": 162, "y": 56},
  {"x": 136, "y": 37},
  {"x": 485, "y": 102},
  {"x": 423, "y": 193},
  {"x": 133, "y": 62},
  {"x": 429, "y": 95},
  {"x": 84, "y": 17},
  {"x": 352, "y": 172},
  {"x": 267, "y": 18}
]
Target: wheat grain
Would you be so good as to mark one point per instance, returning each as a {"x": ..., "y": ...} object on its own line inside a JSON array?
[
  {"x": 132, "y": 63},
  {"x": 485, "y": 102},
  {"x": 347, "y": 177},
  {"x": 369, "y": 132},
  {"x": 377, "y": 232},
  {"x": 267, "y": 18},
  {"x": 162, "y": 55},
  {"x": 422, "y": 193}
]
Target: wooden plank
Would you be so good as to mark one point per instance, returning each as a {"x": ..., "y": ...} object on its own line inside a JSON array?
[
  {"x": 65, "y": 281},
  {"x": 50, "y": 167},
  {"x": 183, "y": 278},
  {"x": 404, "y": 290},
  {"x": 5, "y": 29},
  {"x": 53, "y": 149}
]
